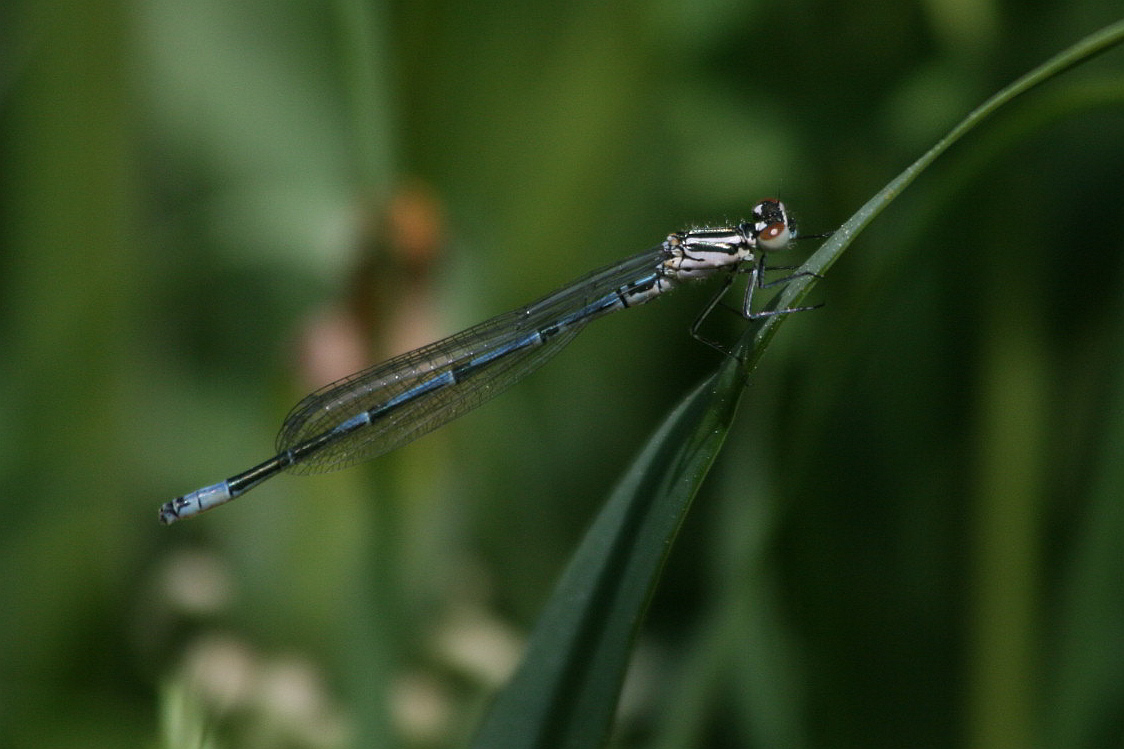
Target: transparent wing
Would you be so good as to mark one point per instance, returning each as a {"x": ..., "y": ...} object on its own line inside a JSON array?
[{"x": 503, "y": 336}]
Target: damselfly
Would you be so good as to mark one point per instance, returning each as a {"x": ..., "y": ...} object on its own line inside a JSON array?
[{"x": 382, "y": 408}]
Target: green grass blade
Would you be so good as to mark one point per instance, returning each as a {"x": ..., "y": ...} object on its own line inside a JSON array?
[{"x": 565, "y": 691}]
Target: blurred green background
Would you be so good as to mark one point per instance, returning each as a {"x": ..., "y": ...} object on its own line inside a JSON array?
[{"x": 208, "y": 209}]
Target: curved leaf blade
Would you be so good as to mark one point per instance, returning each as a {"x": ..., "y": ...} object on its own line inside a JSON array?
[{"x": 565, "y": 691}]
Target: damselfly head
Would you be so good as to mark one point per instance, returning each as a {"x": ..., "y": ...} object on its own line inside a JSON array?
[{"x": 773, "y": 227}]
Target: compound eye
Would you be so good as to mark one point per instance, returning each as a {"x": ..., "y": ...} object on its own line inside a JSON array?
[{"x": 773, "y": 237}]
